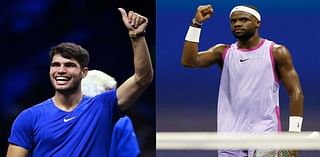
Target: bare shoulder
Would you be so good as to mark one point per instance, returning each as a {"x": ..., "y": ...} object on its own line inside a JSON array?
[
  {"x": 280, "y": 53},
  {"x": 218, "y": 48}
]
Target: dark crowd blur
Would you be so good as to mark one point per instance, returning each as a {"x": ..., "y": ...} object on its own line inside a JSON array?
[{"x": 29, "y": 28}]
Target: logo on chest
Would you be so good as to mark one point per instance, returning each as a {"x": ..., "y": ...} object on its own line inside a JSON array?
[
  {"x": 244, "y": 59},
  {"x": 68, "y": 119}
]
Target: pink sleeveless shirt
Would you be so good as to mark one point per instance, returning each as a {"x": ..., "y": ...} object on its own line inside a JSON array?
[{"x": 249, "y": 90}]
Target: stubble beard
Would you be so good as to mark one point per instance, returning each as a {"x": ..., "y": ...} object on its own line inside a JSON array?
[{"x": 245, "y": 36}]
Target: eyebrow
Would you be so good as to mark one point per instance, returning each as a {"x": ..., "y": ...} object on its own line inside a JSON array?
[{"x": 68, "y": 62}]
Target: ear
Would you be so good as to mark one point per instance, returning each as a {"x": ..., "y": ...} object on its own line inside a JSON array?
[
  {"x": 84, "y": 72},
  {"x": 258, "y": 23}
]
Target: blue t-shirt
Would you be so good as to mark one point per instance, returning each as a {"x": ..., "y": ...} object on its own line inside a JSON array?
[
  {"x": 45, "y": 130},
  {"x": 124, "y": 141}
]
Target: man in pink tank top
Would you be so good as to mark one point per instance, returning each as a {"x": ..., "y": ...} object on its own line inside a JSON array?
[{"x": 252, "y": 69}]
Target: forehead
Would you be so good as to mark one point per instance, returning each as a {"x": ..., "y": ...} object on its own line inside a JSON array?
[
  {"x": 241, "y": 14},
  {"x": 61, "y": 59}
]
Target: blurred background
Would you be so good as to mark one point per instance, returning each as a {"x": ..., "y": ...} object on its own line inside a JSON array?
[
  {"x": 187, "y": 98},
  {"x": 29, "y": 28}
]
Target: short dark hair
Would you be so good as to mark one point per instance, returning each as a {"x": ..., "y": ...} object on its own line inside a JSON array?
[{"x": 71, "y": 51}]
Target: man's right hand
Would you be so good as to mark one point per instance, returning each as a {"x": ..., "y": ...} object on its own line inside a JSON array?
[
  {"x": 203, "y": 13},
  {"x": 134, "y": 22}
]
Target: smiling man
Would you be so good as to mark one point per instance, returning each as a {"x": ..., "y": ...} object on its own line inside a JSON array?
[
  {"x": 70, "y": 123},
  {"x": 252, "y": 69}
]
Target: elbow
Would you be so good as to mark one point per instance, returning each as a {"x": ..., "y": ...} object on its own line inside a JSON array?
[
  {"x": 301, "y": 104},
  {"x": 145, "y": 79},
  {"x": 300, "y": 95},
  {"x": 301, "y": 99},
  {"x": 297, "y": 94},
  {"x": 149, "y": 77},
  {"x": 186, "y": 64}
]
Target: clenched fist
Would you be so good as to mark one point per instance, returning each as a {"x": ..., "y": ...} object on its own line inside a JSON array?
[{"x": 203, "y": 13}]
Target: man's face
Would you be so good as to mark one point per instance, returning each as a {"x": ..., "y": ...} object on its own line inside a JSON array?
[
  {"x": 66, "y": 74},
  {"x": 243, "y": 25}
]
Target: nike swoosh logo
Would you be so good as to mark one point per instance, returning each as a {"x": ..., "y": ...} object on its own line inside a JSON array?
[
  {"x": 242, "y": 60},
  {"x": 67, "y": 120}
]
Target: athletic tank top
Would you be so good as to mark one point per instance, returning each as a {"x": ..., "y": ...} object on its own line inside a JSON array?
[{"x": 249, "y": 90}]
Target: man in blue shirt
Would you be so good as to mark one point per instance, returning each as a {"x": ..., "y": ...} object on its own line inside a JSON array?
[
  {"x": 124, "y": 141},
  {"x": 70, "y": 123}
]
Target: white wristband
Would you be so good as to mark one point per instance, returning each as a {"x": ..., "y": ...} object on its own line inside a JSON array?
[
  {"x": 193, "y": 34},
  {"x": 295, "y": 123}
]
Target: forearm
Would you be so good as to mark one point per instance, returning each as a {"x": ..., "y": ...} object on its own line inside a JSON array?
[
  {"x": 296, "y": 103},
  {"x": 133, "y": 87},
  {"x": 296, "y": 106},
  {"x": 190, "y": 54},
  {"x": 142, "y": 61},
  {"x": 192, "y": 57},
  {"x": 190, "y": 48}
]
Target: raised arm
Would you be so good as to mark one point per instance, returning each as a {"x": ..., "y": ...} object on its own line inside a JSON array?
[
  {"x": 191, "y": 57},
  {"x": 132, "y": 88}
]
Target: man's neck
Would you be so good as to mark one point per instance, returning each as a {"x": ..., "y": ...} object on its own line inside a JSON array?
[
  {"x": 249, "y": 43},
  {"x": 67, "y": 102}
]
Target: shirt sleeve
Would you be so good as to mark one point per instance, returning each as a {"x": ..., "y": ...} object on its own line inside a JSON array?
[
  {"x": 110, "y": 101},
  {"x": 22, "y": 130},
  {"x": 124, "y": 141}
]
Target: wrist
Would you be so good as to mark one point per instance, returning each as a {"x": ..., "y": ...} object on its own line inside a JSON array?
[
  {"x": 193, "y": 34},
  {"x": 295, "y": 123},
  {"x": 133, "y": 34},
  {"x": 196, "y": 23}
]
